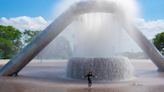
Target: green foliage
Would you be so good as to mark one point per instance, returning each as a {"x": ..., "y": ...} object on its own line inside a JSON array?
[
  {"x": 159, "y": 42},
  {"x": 10, "y": 41},
  {"x": 28, "y": 35}
]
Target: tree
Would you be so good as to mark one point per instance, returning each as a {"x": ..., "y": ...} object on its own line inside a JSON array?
[
  {"x": 10, "y": 41},
  {"x": 159, "y": 42},
  {"x": 28, "y": 36}
]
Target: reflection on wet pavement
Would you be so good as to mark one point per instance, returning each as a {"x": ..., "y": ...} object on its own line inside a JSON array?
[{"x": 49, "y": 77}]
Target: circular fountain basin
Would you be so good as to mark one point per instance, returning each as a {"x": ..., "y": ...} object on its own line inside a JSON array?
[{"x": 105, "y": 69}]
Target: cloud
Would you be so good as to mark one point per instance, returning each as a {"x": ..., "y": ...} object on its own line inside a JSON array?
[
  {"x": 150, "y": 28},
  {"x": 25, "y": 22}
]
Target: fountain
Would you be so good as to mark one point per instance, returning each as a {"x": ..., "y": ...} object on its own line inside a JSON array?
[
  {"x": 96, "y": 48},
  {"x": 66, "y": 18},
  {"x": 106, "y": 69}
]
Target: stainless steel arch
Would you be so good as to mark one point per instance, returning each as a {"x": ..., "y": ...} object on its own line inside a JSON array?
[{"x": 54, "y": 29}]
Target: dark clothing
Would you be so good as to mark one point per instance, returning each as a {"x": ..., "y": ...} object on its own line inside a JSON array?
[
  {"x": 89, "y": 81},
  {"x": 89, "y": 76}
]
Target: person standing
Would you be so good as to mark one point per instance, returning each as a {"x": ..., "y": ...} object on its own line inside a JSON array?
[{"x": 89, "y": 77}]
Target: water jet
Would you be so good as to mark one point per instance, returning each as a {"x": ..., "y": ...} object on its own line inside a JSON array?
[{"x": 106, "y": 69}]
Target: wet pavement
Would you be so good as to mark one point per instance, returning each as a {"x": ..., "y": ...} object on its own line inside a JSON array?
[{"x": 50, "y": 77}]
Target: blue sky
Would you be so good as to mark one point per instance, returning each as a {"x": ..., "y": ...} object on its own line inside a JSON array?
[
  {"x": 151, "y": 9},
  {"x": 32, "y": 8}
]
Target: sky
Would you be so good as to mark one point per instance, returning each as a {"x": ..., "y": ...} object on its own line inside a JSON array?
[
  {"x": 151, "y": 9},
  {"x": 31, "y": 8},
  {"x": 37, "y": 14}
]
